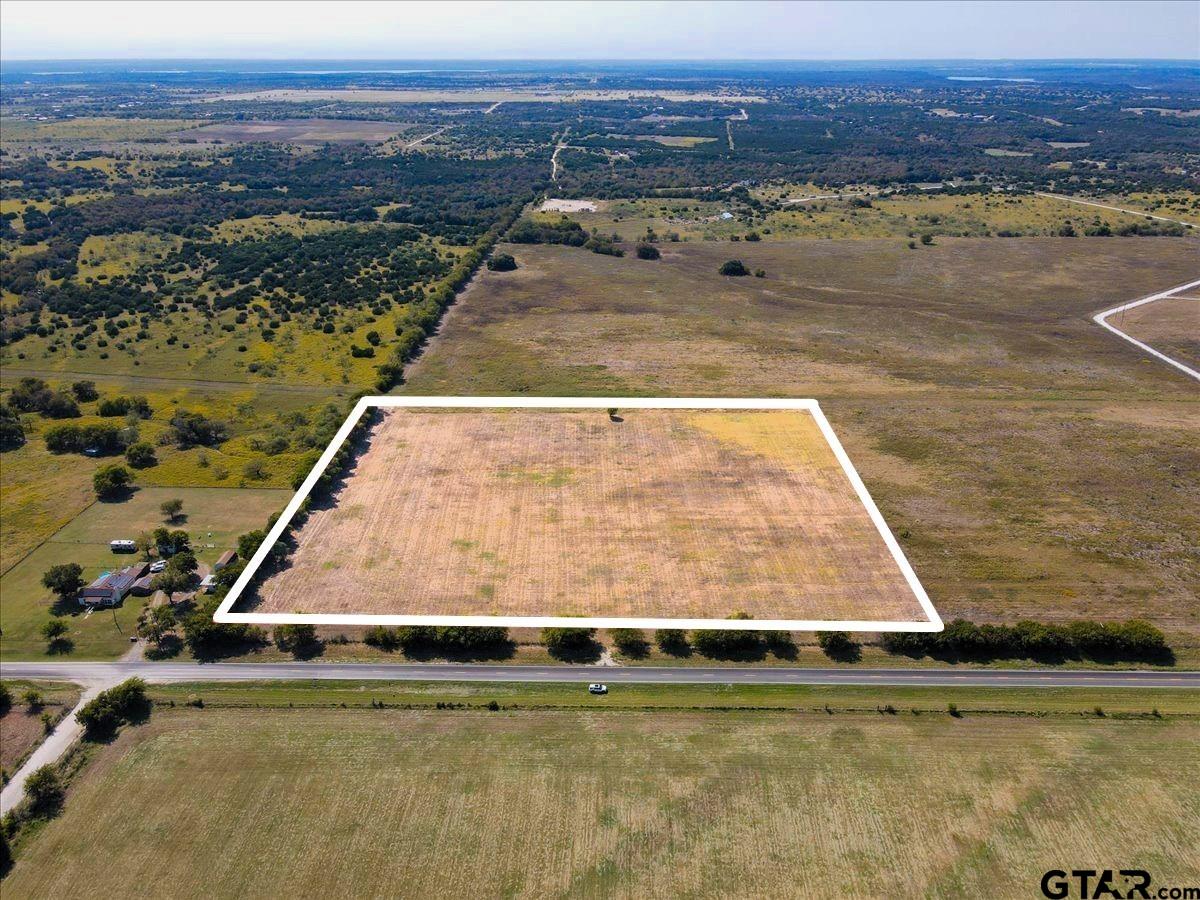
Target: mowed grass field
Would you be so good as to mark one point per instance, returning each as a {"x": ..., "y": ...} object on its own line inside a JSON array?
[
  {"x": 1030, "y": 463},
  {"x": 1170, "y": 326},
  {"x": 308, "y": 802},
  {"x": 214, "y": 519},
  {"x": 647, "y": 514}
]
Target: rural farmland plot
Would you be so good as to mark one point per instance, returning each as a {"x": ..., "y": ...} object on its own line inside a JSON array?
[{"x": 679, "y": 514}]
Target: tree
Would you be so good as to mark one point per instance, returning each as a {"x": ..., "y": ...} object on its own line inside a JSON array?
[
  {"x": 295, "y": 639},
  {"x": 248, "y": 542},
  {"x": 85, "y": 391},
  {"x": 502, "y": 262},
  {"x": 60, "y": 406},
  {"x": 630, "y": 641},
  {"x": 648, "y": 251},
  {"x": 569, "y": 641},
  {"x": 109, "y": 481},
  {"x": 104, "y": 713},
  {"x": 178, "y": 575},
  {"x": 171, "y": 508},
  {"x": 672, "y": 641},
  {"x": 190, "y": 429},
  {"x": 140, "y": 455},
  {"x": 145, "y": 543},
  {"x": 158, "y": 623},
  {"x": 53, "y": 629},
  {"x": 728, "y": 644},
  {"x": 12, "y": 432},
  {"x": 65, "y": 580},
  {"x": 6, "y": 858},
  {"x": 44, "y": 791},
  {"x": 839, "y": 645},
  {"x": 207, "y": 639},
  {"x": 734, "y": 267}
]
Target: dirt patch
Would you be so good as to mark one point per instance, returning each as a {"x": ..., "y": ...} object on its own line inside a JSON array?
[{"x": 567, "y": 206}]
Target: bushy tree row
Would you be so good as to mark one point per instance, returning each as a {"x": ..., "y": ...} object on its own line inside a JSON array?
[
  {"x": 107, "y": 711},
  {"x": 440, "y": 640},
  {"x": 1132, "y": 641}
]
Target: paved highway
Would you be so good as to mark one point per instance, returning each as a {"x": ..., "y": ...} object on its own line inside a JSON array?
[{"x": 110, "y": 673}]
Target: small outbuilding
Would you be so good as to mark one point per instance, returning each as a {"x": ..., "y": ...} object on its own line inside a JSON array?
[{"x": 228, "y": 558}]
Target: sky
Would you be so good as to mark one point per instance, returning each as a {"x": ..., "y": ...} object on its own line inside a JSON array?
[{"x": 56, "y": 29}]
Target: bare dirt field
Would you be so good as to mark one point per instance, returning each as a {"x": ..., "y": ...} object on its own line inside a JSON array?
[
  {"x": 655, "y": 514},
  {"x": 1031, "y": 464},
  {"x": 567, "y": 206},
  {"x": 296, "y": 131},
  {"x": 1170, "y": 326}
]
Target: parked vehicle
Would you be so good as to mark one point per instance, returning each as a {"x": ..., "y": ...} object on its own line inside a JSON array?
[
  {"x": 597, "y": 688},
  {"x": 122, "y": 546}
]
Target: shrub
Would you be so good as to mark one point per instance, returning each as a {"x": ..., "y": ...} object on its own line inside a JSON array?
[
  {"x": 753, "y": 236},
  {"x": 32, "y": 699},
  {"x": 123, "y": 406},
  {"x": 733, "y": 267},
  {"x": 383, "y": 638},
  {"x": 502, "y": 262},
  {"x": 648, "y": 251}
]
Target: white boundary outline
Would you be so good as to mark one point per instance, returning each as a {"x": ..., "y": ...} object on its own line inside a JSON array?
[
  {"x": 225, "y": 614},
  {"x": 1101, "y": 319}
]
